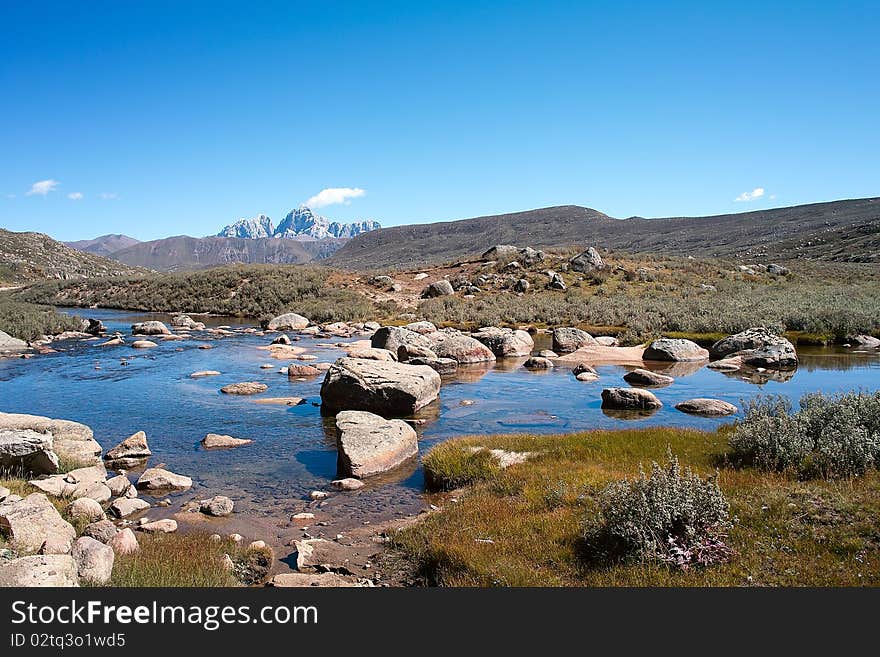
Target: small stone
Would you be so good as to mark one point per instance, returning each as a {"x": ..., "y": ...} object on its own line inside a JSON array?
[
  {"x": 318, "y": 495},
  {"x": 219, "y": 506},
  {"x": 349, "y": 483},
  {"x": 164, "y": 526}
]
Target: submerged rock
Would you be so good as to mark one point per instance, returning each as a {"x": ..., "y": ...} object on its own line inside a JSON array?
[
  {"x": 216, "y": 440},
  {"x": 245, "y": 388},
  {"x": 538, "y": 363},
  {"x": 641, "y": 377},
  {"x": 130, "y": 452},
  {"x": 369, "y": 444}
]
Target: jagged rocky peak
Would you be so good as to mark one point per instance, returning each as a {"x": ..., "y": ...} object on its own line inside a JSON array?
[
  {"x": 260, "y": 226},
  {"x": 303, "y": 224}
]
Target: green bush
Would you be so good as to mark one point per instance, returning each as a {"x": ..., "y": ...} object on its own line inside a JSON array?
[
  {"x": 28, "y": 321},
  {"x": 827, "y": 437},
  {"x": 671, "y": 516}
]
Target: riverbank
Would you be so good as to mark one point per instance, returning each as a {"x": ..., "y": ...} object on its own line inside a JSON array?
[{"x": 524, "y": 525}]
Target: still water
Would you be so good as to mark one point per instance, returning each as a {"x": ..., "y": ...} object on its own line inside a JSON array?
[{"x": 294, "y": 447}]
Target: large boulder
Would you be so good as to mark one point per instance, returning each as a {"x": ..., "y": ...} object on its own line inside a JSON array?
[
  {"x": 670, "y": 349},
  {"x": 10, "y": 344},
  {"x": 753, "y": 338},
  {"x": 461, "y": 348},
  {"x": 501, "y": 252},
  {"x": 538, "y": 363},
  {"x": 405, "y": 352},
  {"x": 441, "y": 288},
  {"x": 382, "y": 387},
  {"x": 124, "y": 542},
  {"x": 629, "y": 399},
  {"x": 130, "y": 452},
  {"x": 29, "y": 523},
  {"x": 369, "y": 444},
  {"x": 160, "y": 479},
  {"x": 150, "y": 328},
  {"x": 71, "y": 440},
  {"x": 94, "y": 560},
  {"x": 101, "y": 530},
  {"x": 587, "y": 261},
  {"x": 219, "y": 506},
  {"x": 27, "y": 450},
  {"x": 421, "y": 327},
  {"x": 287, "y": 322},
  {"x": 85, "y": 509},
  {"x": 505, "y": 342},
  {"x": 392, "y": 337},
  {"x": 771, "y": 357},
  {"x": 441, "y": 365},
  {"x": 244, "y": 388},
  {"x": 567, "y": 339},
  {"x": 707, "y": 407},
  {"x": 55, "y": 570},
  {"x": 124, "y": 506}
]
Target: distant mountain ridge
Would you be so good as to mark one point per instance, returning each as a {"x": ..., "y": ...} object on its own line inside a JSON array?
[
  {"x": 301, "y": 224},
  {"x": 104, "y": 245},
  {"x": 846, "y": 230}
]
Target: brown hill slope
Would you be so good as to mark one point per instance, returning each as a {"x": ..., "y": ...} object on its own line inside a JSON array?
[
  {"x": 183, "y": 252},
  {"x": 26, "y": 257},
  {"x": 846, "y": 230},
  {"x": 104, "y": 245}
]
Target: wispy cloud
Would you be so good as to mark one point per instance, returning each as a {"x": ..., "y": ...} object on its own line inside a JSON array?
[
  {"x": 756, "y": 193},
  {"x": 75, "y": 196},
  {"x": 109, "y": 196},
  {"x": 10, "y": 196},
  {"x": 43, "y": 187},
  {"x": 335, "y": 196}
]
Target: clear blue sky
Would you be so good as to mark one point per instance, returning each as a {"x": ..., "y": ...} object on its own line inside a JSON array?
[{"x": 186, "y": 116}]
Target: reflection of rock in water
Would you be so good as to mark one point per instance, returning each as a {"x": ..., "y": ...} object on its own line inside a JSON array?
[
  {"x": 760, "y": 378},
  {"x": 639, "y": 414},
  {"x": 510, "y": 364},
  {"x": 472, "y": 373},
  {"x": 675, "y": 369}
]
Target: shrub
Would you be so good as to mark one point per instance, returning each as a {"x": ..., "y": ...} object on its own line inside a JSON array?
[
  {"x": 827, "y": 437},
  {"x": 28, "y": 321},
  {"x": 671, "y": 516}
]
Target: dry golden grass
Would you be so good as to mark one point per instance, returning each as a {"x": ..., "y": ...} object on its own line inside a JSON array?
[{"x": 522, "y": 526}]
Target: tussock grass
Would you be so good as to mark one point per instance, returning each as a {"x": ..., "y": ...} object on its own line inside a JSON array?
[
  {"x": 175, "y": 560},
  {"x": 785, "y": 532}
]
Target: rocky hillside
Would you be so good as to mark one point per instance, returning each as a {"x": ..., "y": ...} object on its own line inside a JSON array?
[
  {"x": 840, "y": 231},
  {"x": 26, "y": 257},
  {"x": 183, "y": 253},
  {"x": 104, "y": 245}
]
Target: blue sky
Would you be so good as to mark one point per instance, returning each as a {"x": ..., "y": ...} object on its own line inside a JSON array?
[{"x": 180, "y": 117}]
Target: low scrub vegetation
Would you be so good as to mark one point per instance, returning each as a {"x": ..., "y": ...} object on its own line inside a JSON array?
[
  {"x": 241, "y": 290},
  {"x": 538, "y": 523},
  {"x": 671, "y": 516},
  {"x": 28, "y": 321},
  {"x": 835, "y": 436}
]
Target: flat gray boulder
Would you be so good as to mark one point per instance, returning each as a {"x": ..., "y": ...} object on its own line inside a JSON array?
[
  {"x": 383, "y": 387},
  {"x": 288, "y": 322},
  {"x": 587, "y": 261},
  {"x": 707, "y": 407},
  {"x": 441, "y": 288},
  {"x": 71, "y": 440},
  {"x": 161, "y": 479},
  {"x": 27, "y": 450},
  {"x": 641, "y": 377},
  {"x": 392, "y": 338},
  {"x": 629, "y": 399},
  {"x": 567, "y": 339},
  {"x": 55, "y": 570},
  {"x": 676, "y": 350},
  {"x": 369, "y": 444},
  {"x": 10, "y": 344},
  {"x": 150, "y": 328},
  {"x": 463, "y": 349},
  {"x": 32, "y": 521},
  {"x": 505, "y": 342},
  {"x": 752, "y": 338}
]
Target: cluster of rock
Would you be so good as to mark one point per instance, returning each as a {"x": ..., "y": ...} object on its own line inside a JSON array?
[{"x": 43, "y": 548}]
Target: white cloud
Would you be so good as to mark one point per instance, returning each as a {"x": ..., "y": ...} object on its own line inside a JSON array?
[
  {"x": 109, "y": 196},
  {"x": 10, "y": 196},
  {"x": 757, "y": 192},
  {"x": 43, "y": 187},
  {"x": 75, "y": 196},
  {"x": 334, "y": 196}
]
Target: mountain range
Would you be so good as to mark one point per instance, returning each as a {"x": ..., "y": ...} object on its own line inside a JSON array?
[
  {"x": 847, "y": 230},
  {"x": 104, "y": 245},
  {"x": 300, "y": 224}
]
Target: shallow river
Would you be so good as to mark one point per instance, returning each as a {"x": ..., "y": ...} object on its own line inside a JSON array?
[{"x": 294, "y": 449}]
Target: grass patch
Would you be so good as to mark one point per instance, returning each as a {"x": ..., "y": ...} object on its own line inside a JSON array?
[
  {"x": 524, "y": 526},
  {"x": 175, "y": 560}
]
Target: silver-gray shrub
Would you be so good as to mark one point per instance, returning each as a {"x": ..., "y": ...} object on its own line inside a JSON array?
[
  {"x": 671, "y": 515},
  {"x": 829, "y": 436}
]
